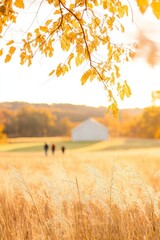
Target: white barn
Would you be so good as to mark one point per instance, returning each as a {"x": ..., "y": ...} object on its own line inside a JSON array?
[{"x": 90, "y": 130}]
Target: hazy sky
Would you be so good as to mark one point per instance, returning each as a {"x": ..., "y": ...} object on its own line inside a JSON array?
[{"x": 20, "y": 83}]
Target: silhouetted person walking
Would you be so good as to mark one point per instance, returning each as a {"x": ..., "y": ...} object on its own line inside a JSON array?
[
  {"x": 63, "y": 149},
  {"x": 46, "y": 148},
  {"x": 53, "y": 148}
]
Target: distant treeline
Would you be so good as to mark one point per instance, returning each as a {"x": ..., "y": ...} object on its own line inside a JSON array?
[{"x": 19, "y": 119}]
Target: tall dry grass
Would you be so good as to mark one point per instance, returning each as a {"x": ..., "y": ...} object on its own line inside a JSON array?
[{"x": 88, "y": 196}]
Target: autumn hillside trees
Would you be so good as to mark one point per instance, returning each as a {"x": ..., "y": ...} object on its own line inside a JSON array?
[
  {"x": 39, "y": 120},
  {"x": 134, "y": 123},
  {"x": 143, "y": 125},
  {"x": 28, "y": 122},
  {"x": 147, "y": 125},
  {"x": 3, "y": 136}
]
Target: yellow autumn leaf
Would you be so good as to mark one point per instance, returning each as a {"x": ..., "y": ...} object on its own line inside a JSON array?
[
  {"x": 71, "y": 6},
  {"x": 86, "y": 76},
  {"x": 156, "y": 8},
  {"x": 1, "y": 52},
  {"x": 12, "y": 50},
  {"x": 126, "y": 9},
  {"x": 110, "y": 94},
  {"x": 95, "y": 2},
  {"x": 118, "y": 86},
  {"x": 57, "y": 12},
  {"x": 43, "y": 28},
  {"x": 75, "y": 24},
  {"x": 51, "y": 73},
  {"x": 29, "y": 35},
  {"x": 79, "y": 16},
  {"x": 89, "y": 5},
  {"x": 48, "y": 22},
  {"x": 122, "y": 93},
  {"x": 143, "y": 5},
  {"x": 114, "y": 108},
  {"x": 10, "y": 42},
  {"x": 121, "y": 12},
  {"x": 93, "y": 75},
  {"x": 117, "y": 71},
  {"x": 79, "y": 59},
  {"x": 105, "y": 4},
  {"x": 63, "y": 1},
  {"x": 78, "y": 2},
  {"x": 51, "y": 53},
  {"x": 19, "y": 3},
  {"x": 29, "y": 60},
  {"x": 71, "y": 56},
  {"x": 110, "y": 51},
  {"x": 59, "y": 70},
  {"x": 122, "y": 28},
  {"x": 65, "y": 44},
  {"x": 64, "y": 69},
  {"x": 8, "y": 58},
  {"x": 127, "y": 89},
  {"x": 22, "y": 58},
  {"x": 117, "y": 56}
]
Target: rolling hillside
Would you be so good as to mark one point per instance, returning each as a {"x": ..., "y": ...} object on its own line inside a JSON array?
[{"x": 75, "y": 113}]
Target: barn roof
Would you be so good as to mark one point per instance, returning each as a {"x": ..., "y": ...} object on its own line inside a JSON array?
[{"x": 91, "y": 120}]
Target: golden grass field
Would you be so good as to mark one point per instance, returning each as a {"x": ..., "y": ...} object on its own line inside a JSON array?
[{"x": 95, "y": 191}]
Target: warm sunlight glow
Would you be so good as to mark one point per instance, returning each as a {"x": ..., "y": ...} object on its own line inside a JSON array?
[
  {"x": 20, "y": 83},
  {"x": 23, "y": 84}
]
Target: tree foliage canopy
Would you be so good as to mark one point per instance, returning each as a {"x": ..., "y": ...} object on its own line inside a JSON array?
[{"x": 84, "y": 29}]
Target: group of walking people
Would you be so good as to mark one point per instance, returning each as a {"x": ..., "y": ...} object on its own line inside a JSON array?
[{"x": 53, "y": 148}]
